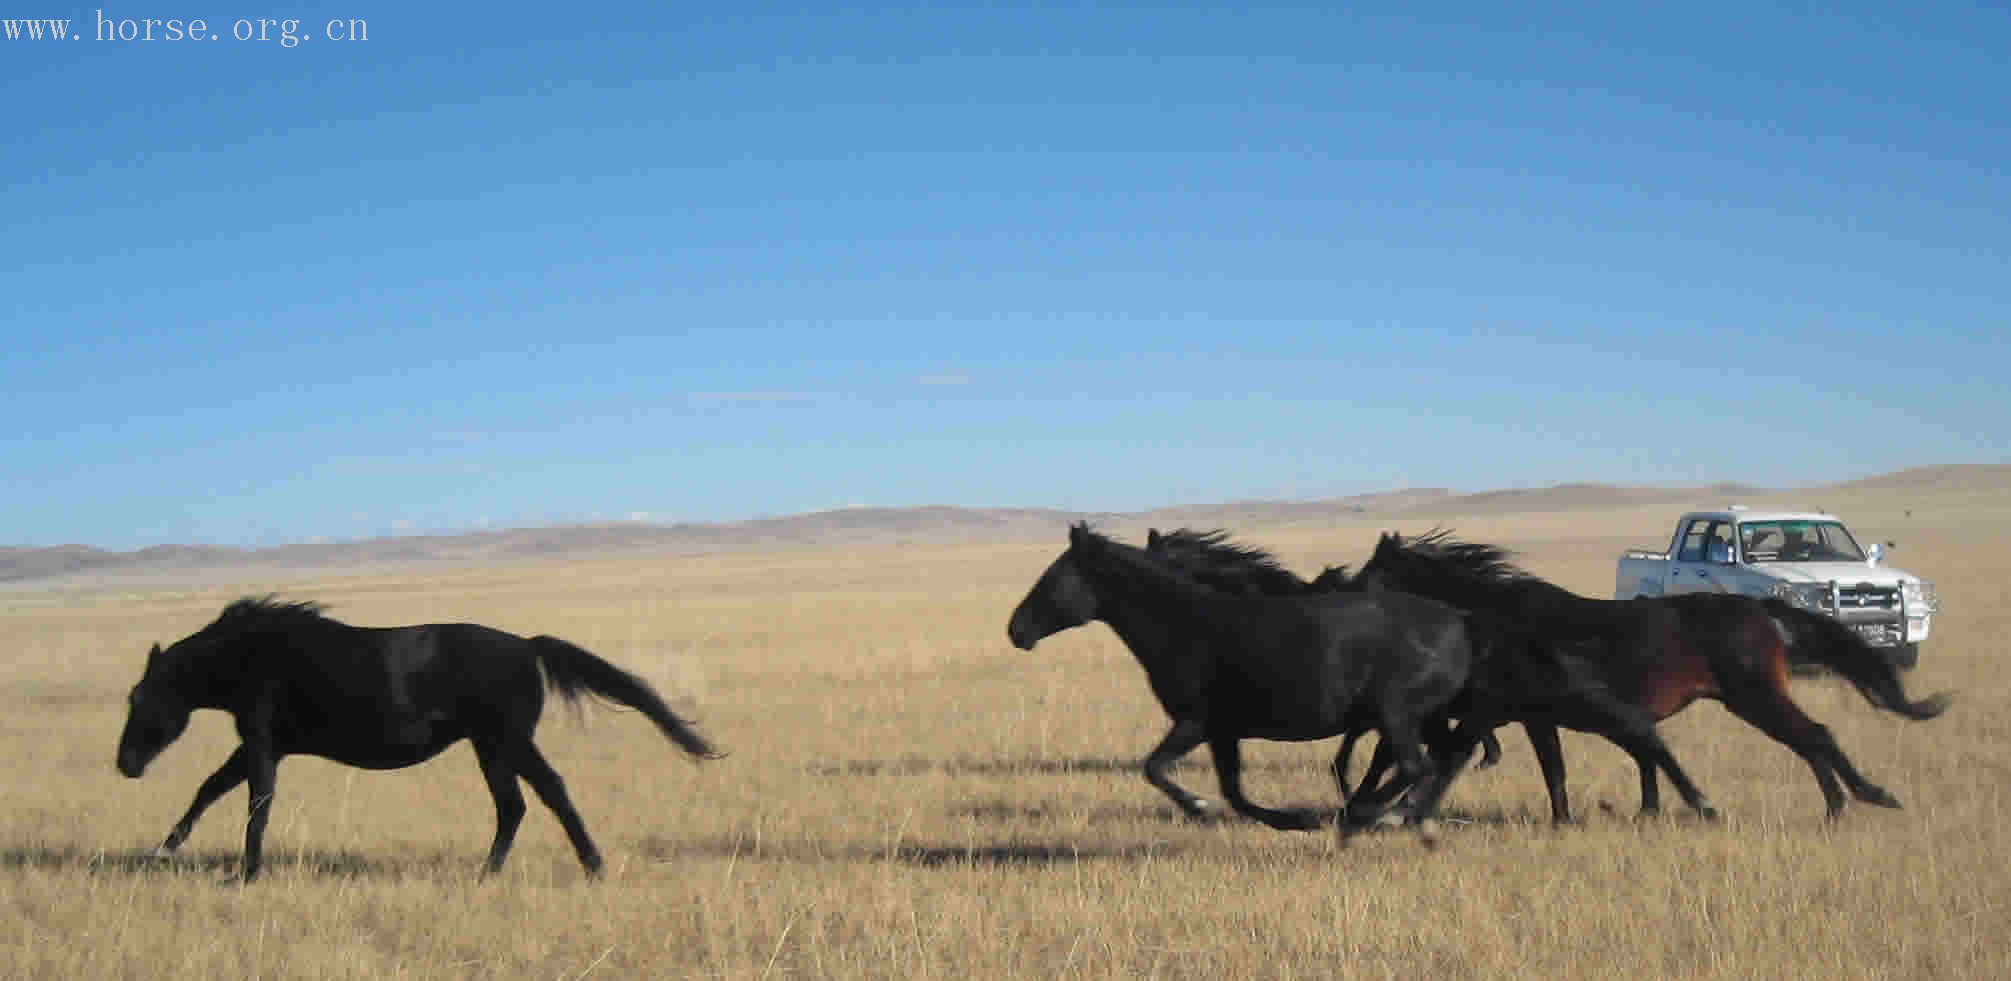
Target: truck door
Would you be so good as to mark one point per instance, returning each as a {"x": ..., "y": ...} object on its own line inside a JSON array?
[{"x": 1703, "y": 562}]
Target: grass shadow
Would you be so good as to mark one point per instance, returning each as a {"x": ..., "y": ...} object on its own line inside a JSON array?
[
  {"x": 1005, "y": 853},
  {"x": 917, "y": 766},
  {"x": 219, "y": 863}
]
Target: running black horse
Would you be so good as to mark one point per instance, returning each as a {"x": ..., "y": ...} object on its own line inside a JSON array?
[
  {"x": 1658, "y": 655},
  {"x": 300, "y": 683},
  {"x": 1230, "y": 667},
  {"x": 1214, "y": 560}
]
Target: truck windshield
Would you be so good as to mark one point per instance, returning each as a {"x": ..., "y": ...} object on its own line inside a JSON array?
[{"x": 1798, "y": 541}]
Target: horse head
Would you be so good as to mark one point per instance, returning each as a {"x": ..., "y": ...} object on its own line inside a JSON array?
[{"x": 155, "y": 717}]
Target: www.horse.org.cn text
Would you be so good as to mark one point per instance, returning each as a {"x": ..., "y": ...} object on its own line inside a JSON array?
[{"x": 287, "y": 32}]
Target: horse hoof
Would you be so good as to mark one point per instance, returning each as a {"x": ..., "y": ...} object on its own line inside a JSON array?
[
  {"x": 161, "y": 853},
  {"x": 1427, "y": 833},
  {"x": 1880, "y": 797},
  {"x": 1707, "y": 813}
]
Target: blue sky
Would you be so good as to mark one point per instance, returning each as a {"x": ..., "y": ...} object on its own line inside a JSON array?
[{"x": 552, "y": 263}]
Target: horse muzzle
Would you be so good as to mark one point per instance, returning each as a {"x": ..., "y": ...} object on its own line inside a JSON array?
[{"x": 1022, "y": 639}]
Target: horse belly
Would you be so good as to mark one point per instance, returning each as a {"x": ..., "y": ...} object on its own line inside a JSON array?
[
  {"x": 388, "y": 755},
  {"x": 1283, "y": 715}
]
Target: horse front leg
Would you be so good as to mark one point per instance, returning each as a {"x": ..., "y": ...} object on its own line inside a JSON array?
[
  {"x": 223, "y": 781},
  {"x": 1343, "y": 759},
  {"x": 1651, "y": 788},
  {"x": 1550, "y": 758},
  {"x": 261, "y": 772},
  {"x": 1373, "y": 795},
  {"x": 1185, "y": 735},
  {"x": 1635, "y": 733},
  {"x": 1451, "y": 751},
  {"x": 1229, "y": 770}
]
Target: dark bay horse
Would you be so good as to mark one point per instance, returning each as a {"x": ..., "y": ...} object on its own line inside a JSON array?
[
  {"x": 1658, "y": 655},
  {"x": 1214, "y": 560},
  {"x": 1230, "y": 667},
  {"x": 300, "y": 683}
]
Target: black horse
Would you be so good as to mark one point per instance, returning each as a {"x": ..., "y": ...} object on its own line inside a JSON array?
[
  {"x": 1658, "y": 655},
  {"x": 380, "y": 698},
  {"x": 1214, "y": 560},
  {"x": 1230, "y": 667},
  {"x": 1515, "y": 678}
]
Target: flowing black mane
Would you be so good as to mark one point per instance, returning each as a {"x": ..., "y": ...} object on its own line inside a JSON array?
[
  {"x": 1471, "y": 562},
  {"x": 1132, "y": 563},
  {"x": 266, "y": 612},
  {"x": 1211, "y": 558}
]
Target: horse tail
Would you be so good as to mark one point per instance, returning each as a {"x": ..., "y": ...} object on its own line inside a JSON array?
[
  {"x": 571, "y": 670},
  {"x": 1819, "y": 640}
]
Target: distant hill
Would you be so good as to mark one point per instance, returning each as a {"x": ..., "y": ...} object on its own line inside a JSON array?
[
  {"x": 1960, "y": 477},
  {"x": 912, "y": 524}
]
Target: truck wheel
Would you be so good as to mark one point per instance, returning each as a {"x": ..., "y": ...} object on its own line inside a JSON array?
[{"x": 1904, "y": 656}]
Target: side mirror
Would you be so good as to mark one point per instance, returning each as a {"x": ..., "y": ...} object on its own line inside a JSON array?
[{"x": 1873, "y": 554}]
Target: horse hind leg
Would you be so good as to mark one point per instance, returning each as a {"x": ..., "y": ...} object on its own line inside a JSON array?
[
  {"x": 552, "y": 790},
  {"x": 1779, "y": 717},
  {"x": 502, "y": 780},
  {"x": 1182, "y": 739},
  {"x": 1229, "y": 771}
]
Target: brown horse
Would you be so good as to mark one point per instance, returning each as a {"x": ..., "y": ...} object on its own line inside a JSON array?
[{"x": 1661, "y": 654}]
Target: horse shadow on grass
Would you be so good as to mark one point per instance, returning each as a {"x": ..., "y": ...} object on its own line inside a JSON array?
[
  {"x": 911, "y": 766},
  {"x": 214, "y": 864},
  {"x": 929, "y": 855}
]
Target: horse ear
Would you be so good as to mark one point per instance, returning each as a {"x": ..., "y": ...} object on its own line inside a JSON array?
[
  {"x": 1151, "y": 538},
  {"x": 1077, "y": 533}
]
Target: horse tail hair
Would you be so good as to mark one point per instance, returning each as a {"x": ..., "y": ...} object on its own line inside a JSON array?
[
  {"x": 1814, "y": 639},
  {"x": 571, "y": 671}
]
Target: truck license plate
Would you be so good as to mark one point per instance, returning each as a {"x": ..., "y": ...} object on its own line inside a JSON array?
[{"x": 1873, "y": 633}]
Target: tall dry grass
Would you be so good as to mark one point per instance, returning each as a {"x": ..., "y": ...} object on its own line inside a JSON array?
[{"x": 910, "y": 797}]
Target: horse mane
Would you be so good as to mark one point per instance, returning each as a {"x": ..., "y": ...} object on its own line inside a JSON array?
[
  {"x": 1211, "y": 558},
  {"x": 262, "y": 612},
  {"x": 1098, "y": 549},
  {"x": 1333, "y": 579},
  {"x": 1475, "y": 563}
]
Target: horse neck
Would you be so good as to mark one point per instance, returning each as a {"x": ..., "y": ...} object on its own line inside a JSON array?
[
  {"x": 208, "y": 676},
  {"x": 1147, "y": 605}
]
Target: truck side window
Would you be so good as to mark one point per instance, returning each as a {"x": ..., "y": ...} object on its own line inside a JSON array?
[
  {"x": 1719, "y": 548},
  {"x": 1692, "y": 548}
]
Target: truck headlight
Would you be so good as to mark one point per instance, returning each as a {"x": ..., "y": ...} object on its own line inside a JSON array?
[
  {"x": 1921, "y": 596},
  {"x": 1807, "y": 595}
]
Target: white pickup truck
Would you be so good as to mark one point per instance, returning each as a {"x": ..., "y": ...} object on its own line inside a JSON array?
[{"x": 1806, "y": 558}]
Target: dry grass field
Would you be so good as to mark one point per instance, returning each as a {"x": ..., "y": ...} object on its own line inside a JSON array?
[{"x": 908, "y": 796}]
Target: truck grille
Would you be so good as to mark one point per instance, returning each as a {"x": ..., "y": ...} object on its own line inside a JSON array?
[{"x": 1865, "y": 596}]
